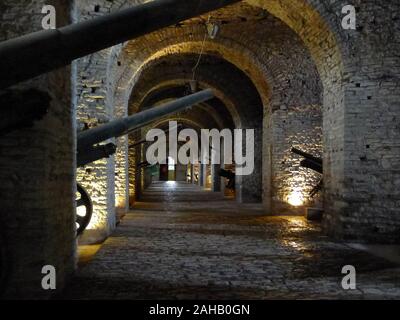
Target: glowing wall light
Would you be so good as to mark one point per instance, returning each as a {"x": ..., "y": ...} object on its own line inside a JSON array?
[
  {"x": 296, "y": 198},
  {"x": 120, "y": 201},
  {"x": 81, "y": 211}
]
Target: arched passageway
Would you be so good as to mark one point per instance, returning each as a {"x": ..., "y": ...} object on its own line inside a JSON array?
[{"x": 286, "y": 69}]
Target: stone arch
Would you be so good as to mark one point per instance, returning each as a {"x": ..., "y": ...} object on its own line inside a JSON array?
[
  {"x": 221, "y": 97},
  {"x": 335, "y": 53},
  {"x": 124, "y": 168},
  {"x": 194, "y": 118},
  {"x": 247, "y": 105},
  {"x": 313, "y": 23},
  {"x": 176, "y": 81},
  {"x": 354, "y": 87},
  {"x": 257, "y": 66},
  {"x": 240, "y": 61},
  {"x": 178, "y": 88}
]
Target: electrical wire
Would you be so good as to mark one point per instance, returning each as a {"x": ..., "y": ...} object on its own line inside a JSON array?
[{"x": 201, "y": 51}]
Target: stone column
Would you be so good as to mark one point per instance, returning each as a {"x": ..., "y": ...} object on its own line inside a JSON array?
[
  {"x": 37, "y": 170},
  {"x": 202, "y": 174},
  {"x": 216, "y": 179},
  {"x": 249, "y": 187},
  {"x": 205, "y": 175},
  {"x": 122, "y": 177}
]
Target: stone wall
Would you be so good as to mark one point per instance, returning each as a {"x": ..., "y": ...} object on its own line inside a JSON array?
[
  {"x": 96, "y": 83},
  {"x": 368, "y": 206},
  {"x": 223, "y": 77},
  {"x": 94, "y": 108},
  {"x": 293, "y": 51},
  {"x": 37, "y": 170},
  {"x": 266, "y": 61},
  {"x": 266, "y": 50},
  {"x": 300, "y": 128},
  {"x": 359, "y": 70}
]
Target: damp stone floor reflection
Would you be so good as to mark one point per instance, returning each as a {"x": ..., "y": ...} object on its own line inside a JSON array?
[{"x": 185, "y": 243}]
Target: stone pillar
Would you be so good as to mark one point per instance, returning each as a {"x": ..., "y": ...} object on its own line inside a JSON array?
[
  {"x": 249, "y": 187},
  {"x": 37, "y": 170},
  {"x": 148, "y": 178},
  {"x": 122, "y": 177},
  {"x": 216, "y": 179},
  {"x": 201, "y": 175},
  {"x": 132, "y": 174},
  {"x": 140, "y": 178},
  {"x": 181, "y": 172},
  {"x": 99, "y": 180},
  {"x": 205, "y": 175},
  {"x": 362, "y": 134}
]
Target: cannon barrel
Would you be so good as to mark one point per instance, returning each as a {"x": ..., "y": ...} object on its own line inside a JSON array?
[
  {"x": 228, "y": 174},
  {"x": 310, "y": 161},
  {"x": 40, "y": 52},
  {"x": 310, "y": 164},
  {"x": 95, "y": 153},
  {"x": 120, "y": 127},
  {"x": 307, "y": 156}
]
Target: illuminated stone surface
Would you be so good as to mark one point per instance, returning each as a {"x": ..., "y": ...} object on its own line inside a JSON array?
[
  {"x": 314, "y": 85},
  {"x": 197, "y": 245}
]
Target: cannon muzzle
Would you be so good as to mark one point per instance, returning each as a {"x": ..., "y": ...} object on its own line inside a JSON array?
[
  {"x": 310, "y": 161},
  {"x": 230, "y": 175},
  {"x": 313, "y": 163},
  {"x": 307, "y": 155},
  {"x": 37, "y": 53}
]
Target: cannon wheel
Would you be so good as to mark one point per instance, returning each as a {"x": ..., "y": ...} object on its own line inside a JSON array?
[{"x": 84, "y": 209}]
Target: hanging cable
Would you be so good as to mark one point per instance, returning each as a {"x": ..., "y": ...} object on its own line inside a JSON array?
[
  {"x": 199, "y": 59},
  {"x": 201, "y": 51}
]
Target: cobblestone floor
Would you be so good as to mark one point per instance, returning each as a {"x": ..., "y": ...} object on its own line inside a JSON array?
[{"x": 192, "y": 244}]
